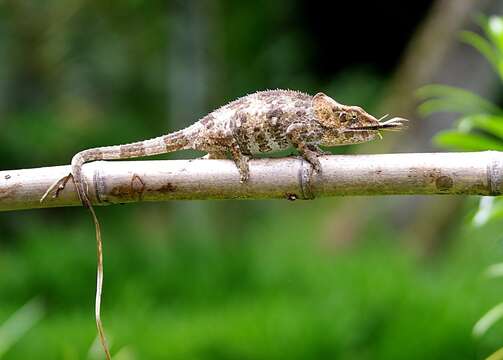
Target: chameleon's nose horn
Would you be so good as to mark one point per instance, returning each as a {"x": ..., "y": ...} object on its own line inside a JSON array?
[{"x": 396, "y": 123}]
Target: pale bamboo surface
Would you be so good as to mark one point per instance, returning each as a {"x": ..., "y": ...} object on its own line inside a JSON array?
[{"x": 291, "y": 178}]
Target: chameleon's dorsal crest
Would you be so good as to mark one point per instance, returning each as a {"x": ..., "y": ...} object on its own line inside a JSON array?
[{"x": 326, "y": 109}]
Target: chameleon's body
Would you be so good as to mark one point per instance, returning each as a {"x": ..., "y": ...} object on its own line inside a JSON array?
[
  {"x": 258, "y": 123},
  {"x": 262, "y": 122}
]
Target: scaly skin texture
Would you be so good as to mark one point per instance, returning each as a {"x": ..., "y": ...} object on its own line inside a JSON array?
[{"x": 262, "y": 122}]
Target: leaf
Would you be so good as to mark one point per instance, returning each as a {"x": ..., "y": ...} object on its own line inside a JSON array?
[
  {"x": 484, "y": 211},
  {"x": 488, "y": 320},
  {"x": 495, "y": 270},
  {"x": 19, "y": 323},
  {"x": 494, "y": 30},
  {"x": 448, "y": 98},
  {"x": 491, "y": 124},
  {"x": 496, "y": 210},
  {"x": 452, "y": 139},
  {"x": 490, "y": 208},
  {"x": 497, "y": 355},
  {"x": 482, "y": 45}
]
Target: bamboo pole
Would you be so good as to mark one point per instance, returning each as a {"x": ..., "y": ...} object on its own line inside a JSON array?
[{"x": 112, "y": 182}]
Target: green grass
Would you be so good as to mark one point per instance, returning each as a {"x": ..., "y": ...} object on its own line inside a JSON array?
[{"x": 253, "y": 286}]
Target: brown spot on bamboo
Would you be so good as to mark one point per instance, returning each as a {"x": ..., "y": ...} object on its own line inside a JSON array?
[
  {"x": 444, "y": 183},
  {"x": 167, "y": 188}
]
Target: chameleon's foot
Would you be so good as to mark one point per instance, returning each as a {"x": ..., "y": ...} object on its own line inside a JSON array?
[
  {"x": 243, "y": 177},
  {"x": 312, "y": 158},
  {"x": 241, "y": 161},
  {"x": 244, "y": 170},
  {"x": 316, "y": 166},
  {"x": 57, "y": 187}
]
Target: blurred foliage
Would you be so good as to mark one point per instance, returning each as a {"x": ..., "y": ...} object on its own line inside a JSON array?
[
  {"x": 277, "y": 292},
  {"x": 479, "y": 128},
  {"x": 209, "y": 280}
]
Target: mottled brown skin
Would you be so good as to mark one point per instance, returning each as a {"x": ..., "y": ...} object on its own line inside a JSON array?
[{"x": 261, "y": 122}]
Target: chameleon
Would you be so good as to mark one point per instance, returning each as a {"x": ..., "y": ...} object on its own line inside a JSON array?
[{"x": 261, "y": 122}]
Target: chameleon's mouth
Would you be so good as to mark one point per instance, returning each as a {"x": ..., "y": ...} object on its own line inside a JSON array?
[{"x": 394, "y": 124}]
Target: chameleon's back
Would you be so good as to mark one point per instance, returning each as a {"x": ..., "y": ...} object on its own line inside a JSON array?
[{"x": 258, "y": 121}]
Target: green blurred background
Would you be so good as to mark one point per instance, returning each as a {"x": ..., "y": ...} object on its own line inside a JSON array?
[{"x": 340, "y": 278}]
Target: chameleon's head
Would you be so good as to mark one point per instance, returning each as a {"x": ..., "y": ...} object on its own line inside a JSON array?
[{"x": 349, "y": 124}]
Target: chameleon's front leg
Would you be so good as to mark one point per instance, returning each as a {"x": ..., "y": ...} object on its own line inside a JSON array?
[
  {"x": 297, "y": 135},
  {"x": 241, "y": 161}
]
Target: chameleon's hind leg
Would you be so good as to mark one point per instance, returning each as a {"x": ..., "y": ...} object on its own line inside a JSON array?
[
  {"x": 57, "y": 187},
  {"x": 241, "y": 161}
]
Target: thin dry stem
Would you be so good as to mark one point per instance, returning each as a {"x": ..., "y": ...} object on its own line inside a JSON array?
[{"x": 99, "y": 282}]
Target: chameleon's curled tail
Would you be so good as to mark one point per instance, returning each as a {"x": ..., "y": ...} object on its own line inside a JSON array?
[{"x": 175, "y": 141}]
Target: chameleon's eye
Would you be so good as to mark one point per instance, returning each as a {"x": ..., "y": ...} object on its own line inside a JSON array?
[{"x": 353, "y": 116}]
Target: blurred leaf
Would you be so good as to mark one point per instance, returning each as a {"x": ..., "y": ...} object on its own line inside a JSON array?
[
  {"x": 489, "y": 123},
  {"x": 488, "y": 320},
  {"x": 126, "y": 353},
  {"x": 482, "y": 45},
  {"x": 498, "y": 355},
  {"x": 96, "y": 350},
  {"x": 483, "y": 214},
  {"x": 447, "y": 98},
  {"x": 495, "y": 270},
  {"x": 452, "y": 139},
  {"x": 494, "y": 30},
  {"x": 18, "y": 324},
  {"x": 490, "y": 208}
]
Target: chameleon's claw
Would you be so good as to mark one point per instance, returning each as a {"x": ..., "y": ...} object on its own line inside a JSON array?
[
  {"x": 315, "y": 163},
  {"x": 317, "y": 169}
]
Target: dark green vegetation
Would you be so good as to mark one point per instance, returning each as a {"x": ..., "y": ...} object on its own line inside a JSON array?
[
  {"x": 213, "y": 280},
  {"x": 184, "y": 281}
]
